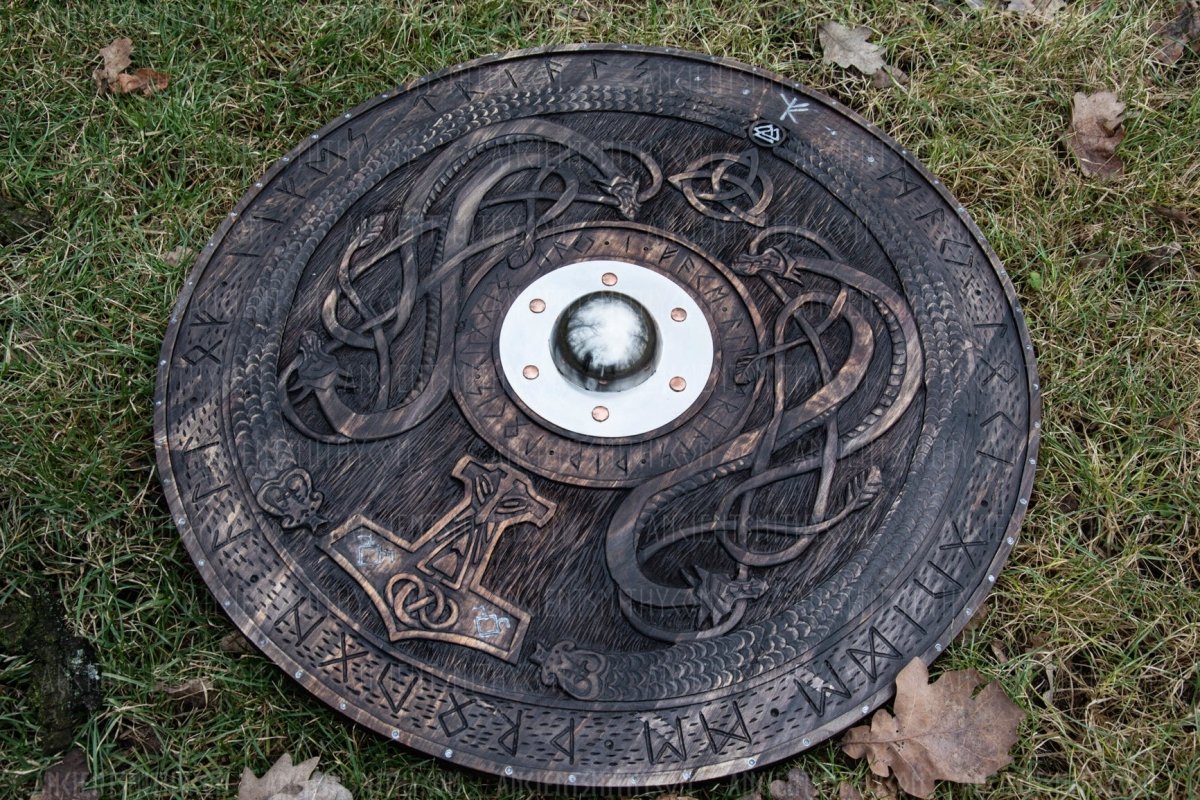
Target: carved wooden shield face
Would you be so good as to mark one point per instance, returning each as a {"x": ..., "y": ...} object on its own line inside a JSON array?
[{"x": 598, "y": 416}]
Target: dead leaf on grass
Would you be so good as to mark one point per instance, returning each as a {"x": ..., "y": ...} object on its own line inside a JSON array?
[
  {"x": 179, "y": 256},
  {"x": 1174, "y": 214},
  {"x": 112, "y": 77},
  {"x": 65, "y": 780},
  {"x": 754, "y": 795},
  {"x": 848, "y": 47},
  {"x": 797, "y": 786},
  {"x": 1149, "y": 263},
  {"x": 139, "y": 737},
  {"x": 288, "y": 781},
  {"x": 1097, "y": 127},
  {"x": 882, "y": 788},
  {"x": 116, "y": 60},
  {"x": 192, "y": 695},
  {"x": 940, "y": 731},
  {"x": 235, "y": 644},
  {"x": 1180, "y": 33},
  {"x": 1037, "y": 8},
  {"x": 848, "y": 792}
]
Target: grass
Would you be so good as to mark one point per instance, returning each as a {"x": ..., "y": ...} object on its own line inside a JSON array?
[{"x": 1094, "y": 626}]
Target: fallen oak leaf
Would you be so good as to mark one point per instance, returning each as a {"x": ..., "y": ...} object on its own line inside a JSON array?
[
  {"x": 1097, "y": 127},
  {"x": 1173, "y": 214},
  {"x": 191, "y": 695},
  {"x": 112, "y": 77},
  {"x": 140, "y": 737},
  {"x": 940, "y": 731},
  {"x": 65, "y": 780},
  {"x": 797, "y": 786},
  {"x": 882, "y": 788},
  {"x": 288, "y": 781},
  {"x": 848, "y": 792},
  {"x": 145, "y": 80},
  {"x": 848, "y": 47},
  {"x": 234, "y": 643},
  {"x": 1180, "y": 33},
  {"x": 1149, "y": 263},
  {"x": 888, "y": 76},
  {"x": 116, "y": 60},
  {"x": 1037, "y": 8}
]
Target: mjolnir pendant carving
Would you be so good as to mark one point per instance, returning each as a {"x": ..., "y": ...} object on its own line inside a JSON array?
[
  {"x": 431, "y": 588},
  {"x": 599, "y": 415}
]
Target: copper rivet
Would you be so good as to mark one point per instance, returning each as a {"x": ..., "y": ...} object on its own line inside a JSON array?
[
  {"x": 530, "y": 371},
  {"x": 678, "y": 314},
  {"x": 599, "y": 413},
  {"x": 537, "y": 305},
  {"x": 678, "y": 384},
  {"x": 608, "y": 279}
]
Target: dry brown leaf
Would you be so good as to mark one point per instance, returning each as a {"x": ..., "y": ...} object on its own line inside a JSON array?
[
  {"x": 1037, "y": 8},
  {"x": 882, "y": 788},
  {"x": 940, "y": 731},
  {"x": 848, "y": 47},
  {"x": 288, "y": 781},
  {"x": 797, "y": 786},
  {"x": 116, "y": 60},
  {"x": 754, "y": 795},
  {"x": 1174, "y": 214},
  {"x": 112, "y": 77},
  {"x": 848, "y": 792},
  {"x": 191, "y": 695},
  {"x": 1180, "y": 33},
  {"x": 1097, "y": 127},
  {"x": 139, "y": 737},
  {"x": 145, "y": 80},
  {"x": 889, "y": 76},
  {"x": 233, "y": 643},
  {"x": 1149, "y": 263},
  {"x": 65, "y": 780}
]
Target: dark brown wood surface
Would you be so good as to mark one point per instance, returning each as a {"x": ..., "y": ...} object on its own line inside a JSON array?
[{"x": 375, "y": 507}]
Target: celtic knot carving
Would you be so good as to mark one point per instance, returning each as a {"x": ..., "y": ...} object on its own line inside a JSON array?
[
  {"x": 441, "y": 257},
  {"x": 421, "y": 605},
  {"x": 805, "y": 320},
  {"x": 727, "y": 187}
]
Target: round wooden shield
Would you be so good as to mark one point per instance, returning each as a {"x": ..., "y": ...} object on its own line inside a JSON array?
[{"x": 598, "y": 415}]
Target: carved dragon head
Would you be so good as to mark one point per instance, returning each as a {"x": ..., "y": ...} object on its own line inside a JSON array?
[
  {"x": 315, "y": 368},
  {"x": 718, "y": 593},
  {"x": 624, "y": 192},
  {"x": 771, "y": 261}
]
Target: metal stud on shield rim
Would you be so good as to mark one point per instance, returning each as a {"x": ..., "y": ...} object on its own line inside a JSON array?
[{"x": 598, "y": 415}]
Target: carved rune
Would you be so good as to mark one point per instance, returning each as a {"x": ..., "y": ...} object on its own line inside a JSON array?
[{"x": 431, "y": 588}]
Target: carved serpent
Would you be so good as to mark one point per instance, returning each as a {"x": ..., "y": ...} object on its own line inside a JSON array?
[
  {"x": 263, "y": 442},
  {"x": 712, "y": 592},
  {"x": 753, "y": 651},
  {"x": 315, "y": 370}
]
